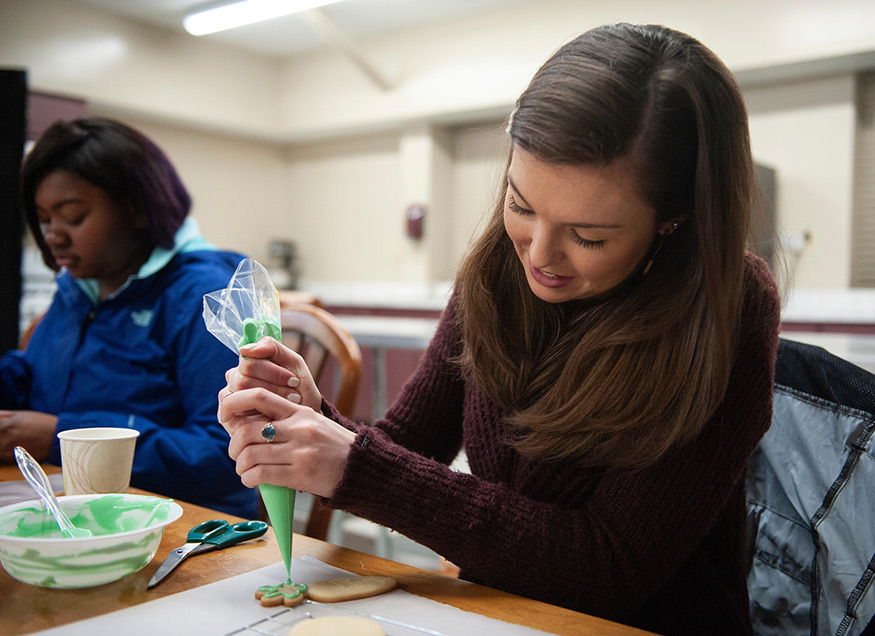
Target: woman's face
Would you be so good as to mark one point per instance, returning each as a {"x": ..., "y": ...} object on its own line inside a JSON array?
[
  {"x": 86, "y": 233},
  {"x": 579, "y": 230}
]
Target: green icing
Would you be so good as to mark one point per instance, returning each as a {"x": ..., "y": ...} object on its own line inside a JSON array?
[
  {"x": 34, "y": 560},
  {"x": 105, "y": 515},
  {"x": 288, "y": 589},
  {"x": 280, "y": 504},
  {"x": 255, "y": 330}
]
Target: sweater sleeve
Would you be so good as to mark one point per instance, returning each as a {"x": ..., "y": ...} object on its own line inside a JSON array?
[{"x": 607, "y": 556}]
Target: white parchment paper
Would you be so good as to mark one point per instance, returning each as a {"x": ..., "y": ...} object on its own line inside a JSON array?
[{"x": 229, "y": 607}]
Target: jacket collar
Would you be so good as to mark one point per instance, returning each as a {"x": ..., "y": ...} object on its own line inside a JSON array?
[{"x": 186, "y": 239}]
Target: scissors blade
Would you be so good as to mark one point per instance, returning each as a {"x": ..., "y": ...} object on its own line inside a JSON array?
[{"x": 173, "y": 559}]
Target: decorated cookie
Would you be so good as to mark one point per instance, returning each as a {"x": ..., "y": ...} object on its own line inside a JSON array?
[
  {"x": 288, "y": 594},
  {"x": 349, "y": 588},
  {"x": 337, "y": 626}
]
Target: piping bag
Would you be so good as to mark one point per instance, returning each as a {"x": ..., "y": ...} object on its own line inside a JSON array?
[{"x": 244, "y": 312}]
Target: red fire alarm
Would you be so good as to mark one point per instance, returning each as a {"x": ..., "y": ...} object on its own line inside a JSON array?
[{"x": 415, "y": 218}]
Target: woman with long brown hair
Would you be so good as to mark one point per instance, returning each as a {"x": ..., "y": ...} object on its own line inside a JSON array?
[{"x": 606, "y": 359}]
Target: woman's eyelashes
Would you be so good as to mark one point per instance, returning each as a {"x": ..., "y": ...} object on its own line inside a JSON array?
[
  {"x": 516, "y": 208},
  {"x": 593, "y": 245}
]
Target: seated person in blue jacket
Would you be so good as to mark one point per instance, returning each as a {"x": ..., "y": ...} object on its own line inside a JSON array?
[{"x": 123, "y": 343}]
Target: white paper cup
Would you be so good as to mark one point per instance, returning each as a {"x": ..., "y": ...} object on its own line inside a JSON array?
[{"x": 97, "y": 460}]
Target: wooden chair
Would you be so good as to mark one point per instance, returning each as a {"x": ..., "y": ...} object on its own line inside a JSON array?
[
  {"x": 25, "y": 337},
  {"x": 320, "y": 338}
]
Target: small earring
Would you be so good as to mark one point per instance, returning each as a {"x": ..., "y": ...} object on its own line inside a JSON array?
[{"x": 671, "y": 229}]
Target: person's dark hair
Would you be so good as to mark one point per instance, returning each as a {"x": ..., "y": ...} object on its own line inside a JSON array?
[
  {"x": 618, "y": 380},
  {"x": 133, "y": 171}
]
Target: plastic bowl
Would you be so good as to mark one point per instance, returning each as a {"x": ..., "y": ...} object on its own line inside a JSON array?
[{"x": 126, "y": 530}]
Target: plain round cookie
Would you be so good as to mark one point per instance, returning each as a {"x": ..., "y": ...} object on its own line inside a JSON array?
[
  {"x": 337, "y": 626},
  {"x": 349, "y": 588}
]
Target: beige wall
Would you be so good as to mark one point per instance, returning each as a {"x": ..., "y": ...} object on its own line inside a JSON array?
[
  {"x": 480, "y": 153},
  {"x": 344, "y": 209},
  {"x": 806, "y": 131},
  {"x": 309, "y": 149}
]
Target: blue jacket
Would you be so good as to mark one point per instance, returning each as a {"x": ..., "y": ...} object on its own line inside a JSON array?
[{"x": 141, "y": 359}]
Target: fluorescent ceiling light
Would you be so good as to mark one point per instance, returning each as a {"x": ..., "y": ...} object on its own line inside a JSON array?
[{"x": 247, "y": 12}]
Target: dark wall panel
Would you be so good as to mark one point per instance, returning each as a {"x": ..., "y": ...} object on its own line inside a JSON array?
[{"x": 13, "y": 129}]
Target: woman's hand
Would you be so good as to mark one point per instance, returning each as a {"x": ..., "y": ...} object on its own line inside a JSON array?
[
  {"x": 270, "y": 365},
  {"x": 309, "y": 452},
  {"x": 31, "y": 429}
]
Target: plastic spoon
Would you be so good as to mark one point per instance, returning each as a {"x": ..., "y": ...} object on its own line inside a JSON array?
[{"x": 36, "y": 477}]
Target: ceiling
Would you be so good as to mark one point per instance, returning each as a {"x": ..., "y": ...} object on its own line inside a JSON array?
[{"x": 289, "y": 35}]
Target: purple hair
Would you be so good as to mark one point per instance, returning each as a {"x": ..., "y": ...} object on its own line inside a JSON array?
[{"x": 127, "y": 165}]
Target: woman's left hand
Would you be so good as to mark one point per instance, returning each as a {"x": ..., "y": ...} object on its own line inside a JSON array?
[{"x": 309, "y": 452}]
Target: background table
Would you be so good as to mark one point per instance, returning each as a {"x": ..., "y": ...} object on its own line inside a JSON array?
[{"x": 381, "y": 333}]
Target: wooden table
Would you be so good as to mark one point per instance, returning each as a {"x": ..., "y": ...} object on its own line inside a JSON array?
[{"x": 26, "y": 608}]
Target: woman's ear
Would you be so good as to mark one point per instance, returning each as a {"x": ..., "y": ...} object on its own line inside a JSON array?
[{"x": 671, "y": 225}]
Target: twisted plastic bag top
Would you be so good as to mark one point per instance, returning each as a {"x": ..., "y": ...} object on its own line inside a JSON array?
[{"x": 246, "y": 310}]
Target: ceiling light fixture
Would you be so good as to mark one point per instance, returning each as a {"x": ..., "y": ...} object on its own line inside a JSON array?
[{"x": 239, "y": 14}]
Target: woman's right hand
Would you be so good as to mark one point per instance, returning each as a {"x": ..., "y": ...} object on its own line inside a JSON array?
[{"x": 270, "y": 365}]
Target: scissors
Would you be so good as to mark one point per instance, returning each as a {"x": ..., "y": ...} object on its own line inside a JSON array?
[{"x": 209, "y": 535}]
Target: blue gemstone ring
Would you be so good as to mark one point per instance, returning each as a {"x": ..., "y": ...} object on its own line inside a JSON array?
[{"x": 268, "y": 432}]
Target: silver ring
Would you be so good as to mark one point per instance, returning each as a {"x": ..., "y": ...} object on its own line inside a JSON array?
[{"x": 268, "y": 432}]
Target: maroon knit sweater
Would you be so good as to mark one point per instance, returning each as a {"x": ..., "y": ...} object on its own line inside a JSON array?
[{"x": 659, "y": 549}]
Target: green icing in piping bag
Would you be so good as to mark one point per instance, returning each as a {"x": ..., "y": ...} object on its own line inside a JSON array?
[
  {"x": 255, "y": 330},
  {"x": 280, "y": 504},
  {"x": 278, "y": 500}
]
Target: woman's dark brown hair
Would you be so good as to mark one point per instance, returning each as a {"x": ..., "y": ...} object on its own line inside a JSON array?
[{"x": 616, "y": 381}]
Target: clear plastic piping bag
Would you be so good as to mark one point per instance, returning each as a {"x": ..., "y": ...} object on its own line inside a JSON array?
[{"x": 244, "y": 312}]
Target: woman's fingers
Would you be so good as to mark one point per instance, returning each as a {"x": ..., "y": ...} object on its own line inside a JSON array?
[
  {"x": 244, "y": 407},
  {"x": 307, "y": 452},
  {"x": 267, "y": 362},
  {"x": 242, "y": 377},
  {"x": 271, "y": 365}
]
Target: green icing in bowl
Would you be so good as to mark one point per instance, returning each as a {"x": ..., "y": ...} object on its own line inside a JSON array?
[
  {"x": 126, "y": 530},
  {"x": 109, "y": 514}
]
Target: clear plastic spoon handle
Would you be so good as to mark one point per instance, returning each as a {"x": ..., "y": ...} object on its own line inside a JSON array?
[{"x": 36, "y": 477}]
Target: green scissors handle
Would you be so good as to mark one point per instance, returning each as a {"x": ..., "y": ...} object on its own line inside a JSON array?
[
  {"x": 221, "y": 534},
  {"x": 209, "y": 535}
]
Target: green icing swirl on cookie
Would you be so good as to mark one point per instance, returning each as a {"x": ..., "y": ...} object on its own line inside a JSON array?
[{"x": 288, "y": 590}]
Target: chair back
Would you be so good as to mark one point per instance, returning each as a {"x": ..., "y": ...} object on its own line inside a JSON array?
[
  {"x": 811, "y": 499},
  {"x": 319, "y": 338},
  {"x": 25, "y": 337}
]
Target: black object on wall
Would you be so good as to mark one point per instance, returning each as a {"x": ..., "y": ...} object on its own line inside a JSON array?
[{"x": 13, "y": 130}]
